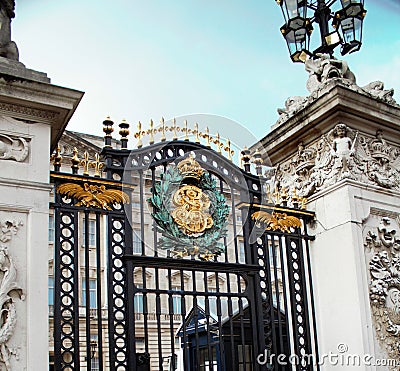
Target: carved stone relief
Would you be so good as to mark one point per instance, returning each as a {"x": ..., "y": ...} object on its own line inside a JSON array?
[
  {"x": 342, "y": 153},
  {"x": 13, "y": 148},
  {"x": 325, "y": 72},
  {"x": 382, "y": 245},
  {"x": 10, "y": 291}
]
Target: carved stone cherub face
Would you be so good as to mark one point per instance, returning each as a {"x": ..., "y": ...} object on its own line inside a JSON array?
[
  {"x": 386, "y": 234},
  {"x": 340, "y": 131}
]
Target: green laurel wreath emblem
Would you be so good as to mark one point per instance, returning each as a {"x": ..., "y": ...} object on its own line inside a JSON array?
[{"x": 205, "y": 246}]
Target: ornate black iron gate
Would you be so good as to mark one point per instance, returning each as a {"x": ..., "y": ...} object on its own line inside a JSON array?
[{"x": 178, "y": 260}]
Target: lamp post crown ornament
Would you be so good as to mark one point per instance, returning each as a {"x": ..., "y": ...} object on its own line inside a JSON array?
[{"x": 8, "y": 48}]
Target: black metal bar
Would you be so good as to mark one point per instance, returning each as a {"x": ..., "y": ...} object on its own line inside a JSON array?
[
  {"x": 87, "y": 303},
  {"x": 202, "y": 266},
  {"x": 285, "y": 299},
  {"x": 75, "y": 300},
  {"x": 99, "y": 291},
  {"x": 57, "y": 290},
  {"x": 311, "y": 287}
]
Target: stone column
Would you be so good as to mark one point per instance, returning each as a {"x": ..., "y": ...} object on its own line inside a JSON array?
[
  {"x": 33, "y": 114},
  {"x": 339, "y": 147}
]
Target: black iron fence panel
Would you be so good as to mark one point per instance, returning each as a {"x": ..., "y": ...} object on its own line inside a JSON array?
[{"x": 179, "y": 260}]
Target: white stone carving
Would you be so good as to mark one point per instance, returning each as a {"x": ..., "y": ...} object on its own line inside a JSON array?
[
  {"x": 343, "y": 153},
  {"x": 384, "y": 285},
  {"x": 325, "y": 68},
  {"x": 40, "y": 113},
  {"x": 9, "y": 291},
  {"x": 324, "y": 72},
  {"x": 376, "y": 89},
  {"x": 13, "y": 148}
]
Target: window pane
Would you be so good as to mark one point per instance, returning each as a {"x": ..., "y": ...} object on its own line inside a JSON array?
[
  {"x": 92, "y": 232},
  {"x": 137, "y": 243},
  {"x": 92, "y": 293},
  {"x": 51, "y": 228},
  {"x": 51, "y": 291}
]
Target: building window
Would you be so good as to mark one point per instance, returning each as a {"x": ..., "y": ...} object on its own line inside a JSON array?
[
  {"x": 176, "y": 302},
  {"x": 138, "y": 301},
  {"x": 92, "y": 293},
  {"x": 208, "y": 361},
  {"x": 245, "y": 357},
  {"x": 51, "y": 291},
  {"x": 92, "y": 232},
  {"x": 137, "y": 242},
  {"x": 242, "y": 256},
  {"x": 274, "y": 250},
  {"x": 95, "y": 364},
  {"x": 51, "y": 228}
]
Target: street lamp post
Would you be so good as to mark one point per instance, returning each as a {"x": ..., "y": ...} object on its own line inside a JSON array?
[{"x": 346, "y": 26}]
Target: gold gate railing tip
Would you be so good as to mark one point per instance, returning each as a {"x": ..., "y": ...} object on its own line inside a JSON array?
[
  {"x": 56, "y": 157},
  {"x": 186, "y": 132},
  {"x": 138, "y": 135},
  {"x": 278, "y": 196},
  {"x": 85, "y": 163},
  {"x": 97, "y": 165},
  {"x": 163, "y": 137}
]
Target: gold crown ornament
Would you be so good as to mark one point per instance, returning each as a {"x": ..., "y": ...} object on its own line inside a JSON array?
[{"x": 190, "y": 168}]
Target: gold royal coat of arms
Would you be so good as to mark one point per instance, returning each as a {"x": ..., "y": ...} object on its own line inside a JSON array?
[{"x": 189, "y": 211}]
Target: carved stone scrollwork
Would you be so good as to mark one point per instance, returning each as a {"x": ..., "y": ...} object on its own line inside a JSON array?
[
  {"x": 13, "y": 148},
  {"x": 342, "y": 153},
  {"x": 384, "y": 286},
  {"x": 9, "y": 291},
  {"x": 324, "y": 72}
]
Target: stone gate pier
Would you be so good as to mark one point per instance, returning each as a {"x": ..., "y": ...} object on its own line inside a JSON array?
[
  {"x": 33, "y": 113},
  {"x": 340, "y": 148}
]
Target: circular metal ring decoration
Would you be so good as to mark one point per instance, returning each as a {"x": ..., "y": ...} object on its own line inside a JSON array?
[{"x": 189, "y": 211}]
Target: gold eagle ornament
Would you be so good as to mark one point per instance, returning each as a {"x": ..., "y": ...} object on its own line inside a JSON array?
[
  {"x": 93, "y": 195},
  {"x": 276, "y": 221}
]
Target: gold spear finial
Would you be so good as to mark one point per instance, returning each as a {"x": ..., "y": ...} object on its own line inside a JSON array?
[
  {"x": 208, "y": 137},
  {"x": 227, "y": 148},
  {"x": 138, "y": 135},
  {"x": 163, "y": 137},
  {"x": 185, "y": 129},
  {"x": 97, "y": 165},
  {"x": 175, "y": 136},
  {"x": 75, "y": 161},
  {"x": 277, "y": 196},
  {"x": 85, "y": 163},
  {"x": 150, "y": 132},
  {"x": 218, "y": 143},
  {"x": 56, "y": 158},
  {"x": 196, "y": 132},
  {"x": 303, "y": 202}
]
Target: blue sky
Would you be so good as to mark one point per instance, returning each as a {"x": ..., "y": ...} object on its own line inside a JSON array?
[{"x": 146, "y": 59}]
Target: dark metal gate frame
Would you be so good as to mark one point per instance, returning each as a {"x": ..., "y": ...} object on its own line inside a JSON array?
[{"x": 268, "y": 329}]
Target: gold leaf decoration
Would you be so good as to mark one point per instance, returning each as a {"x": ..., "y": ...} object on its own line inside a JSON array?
[
  {"x": 276, "y": 221},
  {"x": 93, "y": 195}
]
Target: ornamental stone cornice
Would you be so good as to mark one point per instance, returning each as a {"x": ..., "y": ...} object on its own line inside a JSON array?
[
  {"x": 38, "y": 102},
  {"x": 342, "y": 153},
  {"x": 337, "y": 104}
]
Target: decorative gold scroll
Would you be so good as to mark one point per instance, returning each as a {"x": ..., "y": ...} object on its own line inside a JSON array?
[{"x": 191, "y": 212}]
